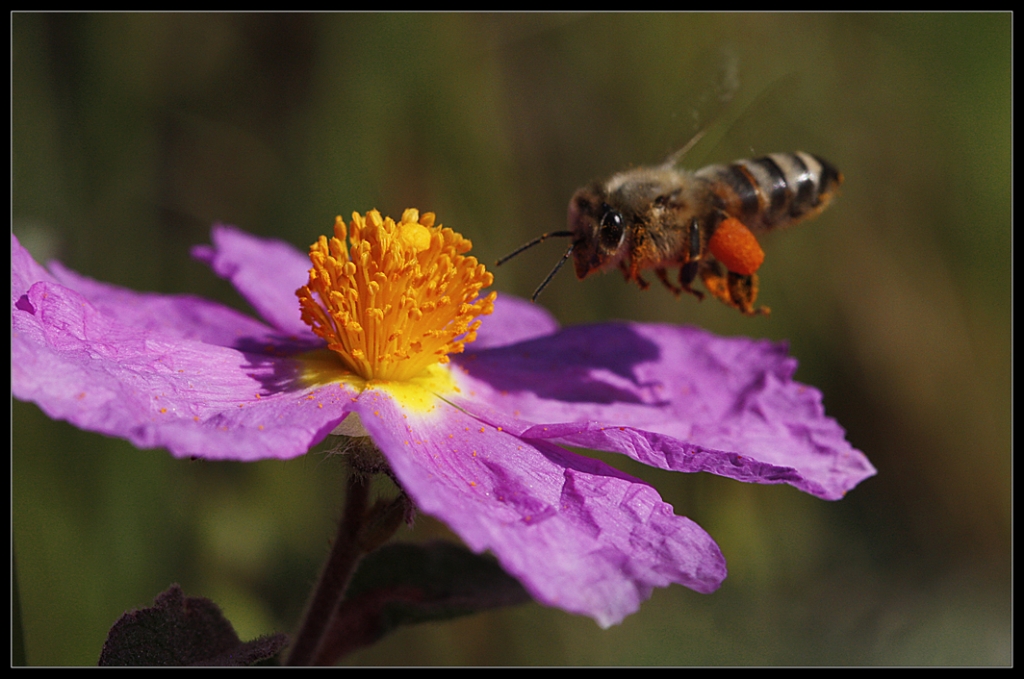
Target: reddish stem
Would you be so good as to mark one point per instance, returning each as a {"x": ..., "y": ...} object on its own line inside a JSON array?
[{"x": 345, "y": 555}]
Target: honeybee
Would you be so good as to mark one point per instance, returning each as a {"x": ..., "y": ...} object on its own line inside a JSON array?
[{"x": 704, "y": 222}]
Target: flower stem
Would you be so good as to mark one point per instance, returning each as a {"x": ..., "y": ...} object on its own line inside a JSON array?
[
  {"x": 346, "y": 630},
  {"x": 345, "y": 555}
]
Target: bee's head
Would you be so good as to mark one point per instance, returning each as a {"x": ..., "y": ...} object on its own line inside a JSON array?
[{"x": 599, "y": 231}]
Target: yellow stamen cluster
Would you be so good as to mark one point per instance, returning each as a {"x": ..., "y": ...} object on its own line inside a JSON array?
[{"x": 393, "y": 299}]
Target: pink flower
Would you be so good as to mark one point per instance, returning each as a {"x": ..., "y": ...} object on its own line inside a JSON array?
[{"x": 475, "y": 441}]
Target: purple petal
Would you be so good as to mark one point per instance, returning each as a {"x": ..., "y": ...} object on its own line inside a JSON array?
[
  {"x": 121, "y": 375},
  {"x": 578, "y": 534},
  {"x": 672, "y": 397},
  {"x": 179, "y": 316},
  {"x": 266, "y": 272},
  {"x": 514, "y": 320}
]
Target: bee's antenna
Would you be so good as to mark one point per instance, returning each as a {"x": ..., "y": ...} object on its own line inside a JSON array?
[
  {"x": 536, "y": 293},
  {"x": 539, "y": 239}
]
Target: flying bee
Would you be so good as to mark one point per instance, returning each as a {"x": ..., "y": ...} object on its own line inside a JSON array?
[{"x": 704, "y": 222}]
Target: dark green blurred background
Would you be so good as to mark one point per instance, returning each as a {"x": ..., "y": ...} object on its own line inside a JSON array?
[{"x": 133, "y": 133}]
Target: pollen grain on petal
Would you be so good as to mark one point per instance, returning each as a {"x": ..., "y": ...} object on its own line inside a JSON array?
[{"x": 392, "y": 299}]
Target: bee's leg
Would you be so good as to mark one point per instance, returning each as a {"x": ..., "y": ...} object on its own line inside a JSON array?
[
  {"x": 632, "y": 273},
  {"x": 731, "y": 276},
  {"x": 743, "y": 292},
  {"x": 716, "y": 281},
  {"x": 733, "y": 289},
  {"x": 663, "y": 277},
  {"x": 687, "y": 274}
]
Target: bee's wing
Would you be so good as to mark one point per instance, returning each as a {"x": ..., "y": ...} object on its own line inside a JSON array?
[
  {"x": 717, "y": 83},
  {"x": 677, "y": 156},
  {"x": 723, "y": 114}
]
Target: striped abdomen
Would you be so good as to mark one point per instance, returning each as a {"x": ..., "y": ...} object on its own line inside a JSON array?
[{"x": 775, "y": 190}]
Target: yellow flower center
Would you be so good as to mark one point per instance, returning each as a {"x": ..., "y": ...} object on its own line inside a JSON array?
[{"x": 394, "y": 299}]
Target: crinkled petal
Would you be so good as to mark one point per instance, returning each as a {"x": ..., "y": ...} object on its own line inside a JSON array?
[
  {"x": 577, "y": 533},
  {"x": 672, "y": 397},
  {"x": 266, "y": 272},
  {"x": 177, "y": 316},
  {"x": 119, "y": 374}
]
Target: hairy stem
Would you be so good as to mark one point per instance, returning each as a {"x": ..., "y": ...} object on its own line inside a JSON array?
[{"x": 345, "y": 555}]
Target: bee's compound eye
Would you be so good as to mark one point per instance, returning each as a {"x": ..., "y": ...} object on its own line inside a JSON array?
[{"x": 612, "y": 228}]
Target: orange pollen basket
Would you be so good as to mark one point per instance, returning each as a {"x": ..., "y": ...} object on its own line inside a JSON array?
[{"x": 736, "y": 247}]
